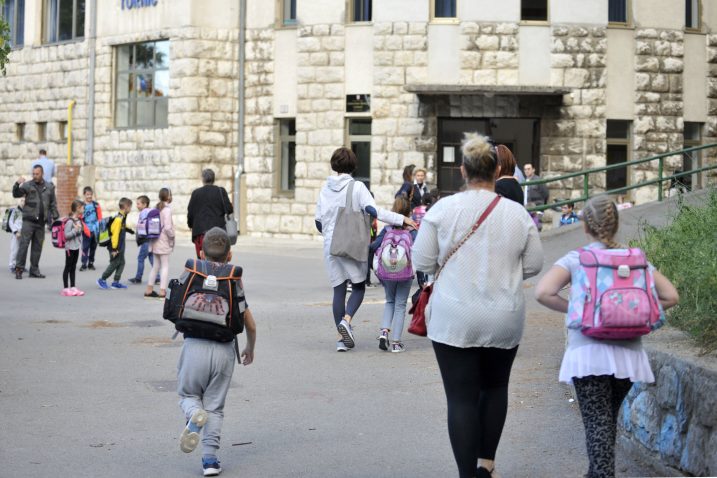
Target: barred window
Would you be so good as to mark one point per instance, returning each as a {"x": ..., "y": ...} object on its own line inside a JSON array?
[{"x": 142, "y": 91}]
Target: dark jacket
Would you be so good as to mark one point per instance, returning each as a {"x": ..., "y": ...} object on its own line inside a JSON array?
[
  {"x": 40, "y": 202},
  {"x": 510, "y": 188},
  {"x": 537, "y": 194},
  {"x": 208, "y": 207}
]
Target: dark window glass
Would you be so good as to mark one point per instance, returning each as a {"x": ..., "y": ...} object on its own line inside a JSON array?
[
  {"x": 534, "y": 10},
  {"x": 289, "y": 12},
  {"x": 362, "y": 10},
  {"x": 616, "y": 178},
  {"x": 287, "y": 136},
  {"x": 65, "y": 20},
  {"x": 80, "y": 19},
  {"x": 617, "y": 11},
  {"x": 13, "y": 12},
  {"x": 360, "y": 140},
  {"x": 692, "y": 14},
  {"x": 618, "y": 129},
  {"x": 445, "y": 8}
]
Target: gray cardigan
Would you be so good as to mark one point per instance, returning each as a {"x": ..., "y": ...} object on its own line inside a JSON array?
[{"x": 73, "y": 237}]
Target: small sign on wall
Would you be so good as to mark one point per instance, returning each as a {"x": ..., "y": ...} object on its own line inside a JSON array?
[
  {"x": 134, "y": 4},
  {"x": 358, "y": 103}
]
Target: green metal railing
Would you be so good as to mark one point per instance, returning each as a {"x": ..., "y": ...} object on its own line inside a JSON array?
[{"x": 661, "y": 178}]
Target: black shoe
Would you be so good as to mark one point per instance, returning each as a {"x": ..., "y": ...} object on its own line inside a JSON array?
[
  {"x": 134, "y": 280},
  {"x": 483, "y": 472},
  {"x": 18, "y": 274},
  {"x": 83, "y": 268},
  {"x": 37, "y": 276},
  {"x": 91, "y": 267}
]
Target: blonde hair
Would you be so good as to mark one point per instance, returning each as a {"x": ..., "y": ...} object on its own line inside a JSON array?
[
  {"x": 602, "y": 220},
  {"x": 479, "y": 158}
]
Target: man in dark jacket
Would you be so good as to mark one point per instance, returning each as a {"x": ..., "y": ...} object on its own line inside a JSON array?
[
  {"x": 40, "y": 208},
  {"x": 208, "y": 208},
  {"x": 534, "y": 194}
]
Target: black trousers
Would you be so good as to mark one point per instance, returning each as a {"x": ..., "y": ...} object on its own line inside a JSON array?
[
  {"x": 476, "y": 383},
  {"x": 68, "y": 274},
  {"x": 32, "y": 234}
]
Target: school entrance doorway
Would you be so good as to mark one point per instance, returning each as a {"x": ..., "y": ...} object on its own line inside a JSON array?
[{"x": 521, "y": 135}]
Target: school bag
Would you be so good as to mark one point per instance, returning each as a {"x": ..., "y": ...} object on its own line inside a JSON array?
[
  {"x": 393, "y": 257},
  {"x": 207, "y": 302},
  {"x": 104, "y": 239},
  {"x": 418, "y": 213},
  {"x": 6, "y": 219},
  {"x": 614, "y": 296},
  {"x": 58, "y": 232},
  {"x": 149, "y": 226}
]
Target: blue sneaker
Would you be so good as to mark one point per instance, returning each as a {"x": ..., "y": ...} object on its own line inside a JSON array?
[
  {"x": 103, "y": 284},
  {"x": 189, "y": 439},
  {"x": 211, "y": 467},
  {"x": 118, "y": 285}
]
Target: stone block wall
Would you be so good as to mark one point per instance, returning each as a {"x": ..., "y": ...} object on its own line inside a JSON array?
[
  {"x": 710, "y": 130},
  {"x": 574, "y": 138},
  {"x": 672, "y": 423},
  {"x": 659, "y": 106},
  {"x": 489, "y": 53}
]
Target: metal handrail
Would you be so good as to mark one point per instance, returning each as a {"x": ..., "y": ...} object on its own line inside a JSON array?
[{"x": 587, "y": 172}]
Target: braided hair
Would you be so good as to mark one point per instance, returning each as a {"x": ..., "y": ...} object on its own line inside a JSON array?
[{"x": 601, "y": 218}]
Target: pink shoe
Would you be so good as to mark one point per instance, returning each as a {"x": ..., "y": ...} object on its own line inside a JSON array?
[
  {"x": 66, "y": 293},
  {"x": 76, "y": 292}
]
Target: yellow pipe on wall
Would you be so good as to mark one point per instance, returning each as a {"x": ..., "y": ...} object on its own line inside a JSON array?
[{"x": 69, "y": 132}]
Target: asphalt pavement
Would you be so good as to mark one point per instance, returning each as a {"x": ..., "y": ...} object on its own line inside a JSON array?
[{"x": 87, "y": 384}]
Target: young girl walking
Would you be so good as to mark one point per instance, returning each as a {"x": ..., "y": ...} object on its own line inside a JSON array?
[
  {"x": 73, "y": 243},
  {"x": 396, "y": 280},
  {"x": 161, "y": 248},
  {"x": 602, "y": 371}
]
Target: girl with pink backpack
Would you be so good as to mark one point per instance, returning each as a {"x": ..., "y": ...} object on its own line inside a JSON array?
[
  {"x": 616, "y": 296},
  {"x": 393, "y": 267}
]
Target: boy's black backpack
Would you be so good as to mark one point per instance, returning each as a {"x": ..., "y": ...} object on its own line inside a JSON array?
[
  {"x": 207, "y": 302},
  {"x": 6, "y": 219}
]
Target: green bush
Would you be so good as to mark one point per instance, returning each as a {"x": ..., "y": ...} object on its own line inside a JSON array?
[{"x": 686, "y": 253}]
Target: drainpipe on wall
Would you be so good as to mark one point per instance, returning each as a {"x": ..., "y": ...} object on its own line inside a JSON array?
[
  {"x": 90, "y": 147},
  {"x": 69, "y": 132},
  {"x": 240, "y": 122}
]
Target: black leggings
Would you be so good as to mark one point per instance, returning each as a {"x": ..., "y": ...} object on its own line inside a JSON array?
[
  {"x": 70, "y": 266},
  {"x": 476, "y": 384},
  {"x": 340, "y": 307}
]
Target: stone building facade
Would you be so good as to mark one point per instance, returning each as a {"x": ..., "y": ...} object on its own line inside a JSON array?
[{"x": 399, "y": 81}]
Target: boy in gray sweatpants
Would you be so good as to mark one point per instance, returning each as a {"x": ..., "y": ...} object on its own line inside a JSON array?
[{"x": 205, "y": 370}]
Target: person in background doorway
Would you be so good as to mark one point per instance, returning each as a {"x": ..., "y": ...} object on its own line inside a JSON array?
[
  {"x": 569, "y": 216},
  {"x": 507, "y": 185},
  {"x": 407, "y": 186},
  {"x": 92, "y": 218},
  {"x": 48, "y": 166},
  {"x": 538, "y": 194},
  {"x": 420, "y": 188},
  {"x": 40, "y": 208},
  {"x": 208, "y": 208},
  {"x": 15, "y": 225}
]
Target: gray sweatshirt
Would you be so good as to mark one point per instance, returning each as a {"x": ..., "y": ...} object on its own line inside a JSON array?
[{"x": 73, "y": 237}]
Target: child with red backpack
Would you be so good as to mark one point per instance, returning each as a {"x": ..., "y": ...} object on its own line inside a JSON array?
[
  {"x": 615, "y": 297},
  {"x": 73, "y": 229},
  {"x": 394, "y": 269}
]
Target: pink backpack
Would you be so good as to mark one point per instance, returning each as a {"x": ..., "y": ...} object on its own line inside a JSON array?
[
  {"x": 393, "y": 258},
  {"x": 58, "y": 232},
  {"x": 613, "y": 295}
]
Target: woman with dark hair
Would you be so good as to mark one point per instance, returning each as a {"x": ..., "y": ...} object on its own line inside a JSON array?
[
  {"x": 477, "y": 308},
  {"x": 507, "y": 184},
  {"x": 407, "y": 186},
  {"x": 341, "y": 269},
  {"x": 161, "y": 247}
]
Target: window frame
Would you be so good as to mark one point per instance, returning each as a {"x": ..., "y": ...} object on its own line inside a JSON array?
[
  {"x": 41, "y": 131},
  {"x": 45, "y": 24},
  {"x": 281, "y": 22},
  {"x": 628, "y": 17},
  {"x": 444, "y": 20},
  {"x": 627, "y": 142},
  {"x": 536, "y": 22},
  {"x": 13, "y": 23},
  {"x": 351, "y": 11},
  {"x": 279, "y": 142},
  {"x": 132, "y": 98},
  {"x": 359, "y": 138},
  {"x": 700, "y": 23},
  {"x": 697, "y": 179}
]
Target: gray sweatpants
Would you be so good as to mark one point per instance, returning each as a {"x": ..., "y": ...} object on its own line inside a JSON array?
[{"x": 204, "y": 374}]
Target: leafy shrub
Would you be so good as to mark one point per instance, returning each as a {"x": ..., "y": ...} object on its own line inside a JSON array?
[{"x": 686, "y": 253}]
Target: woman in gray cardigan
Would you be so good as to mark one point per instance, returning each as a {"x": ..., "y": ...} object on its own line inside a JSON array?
[{"x": 477, "y": 309}]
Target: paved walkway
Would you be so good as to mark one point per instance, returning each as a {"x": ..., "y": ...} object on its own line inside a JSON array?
[{"x": 87, "y": 384}]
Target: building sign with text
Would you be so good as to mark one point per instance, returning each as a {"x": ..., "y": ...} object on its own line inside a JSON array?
[{"x": 134, "y": 4}]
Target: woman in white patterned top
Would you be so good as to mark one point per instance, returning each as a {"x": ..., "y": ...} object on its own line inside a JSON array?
[{"x": 477, "y": 308}]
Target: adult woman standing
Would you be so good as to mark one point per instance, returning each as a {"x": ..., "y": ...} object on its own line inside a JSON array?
[
  {"x": 342, "y": 269},
  {"x": 477, "y": 309},
  {"x": 162, "y": 247},
  {"x": 507, "y": 184},
  {"x": 407, "y": 186}
]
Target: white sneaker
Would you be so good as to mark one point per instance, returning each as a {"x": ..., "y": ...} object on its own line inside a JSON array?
[
  {"x": 189, "y": 439},
  {"x": 341, "y": 347},
  {"x": 397, "y": 347},
  {"x": 347, "y": 334}
]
